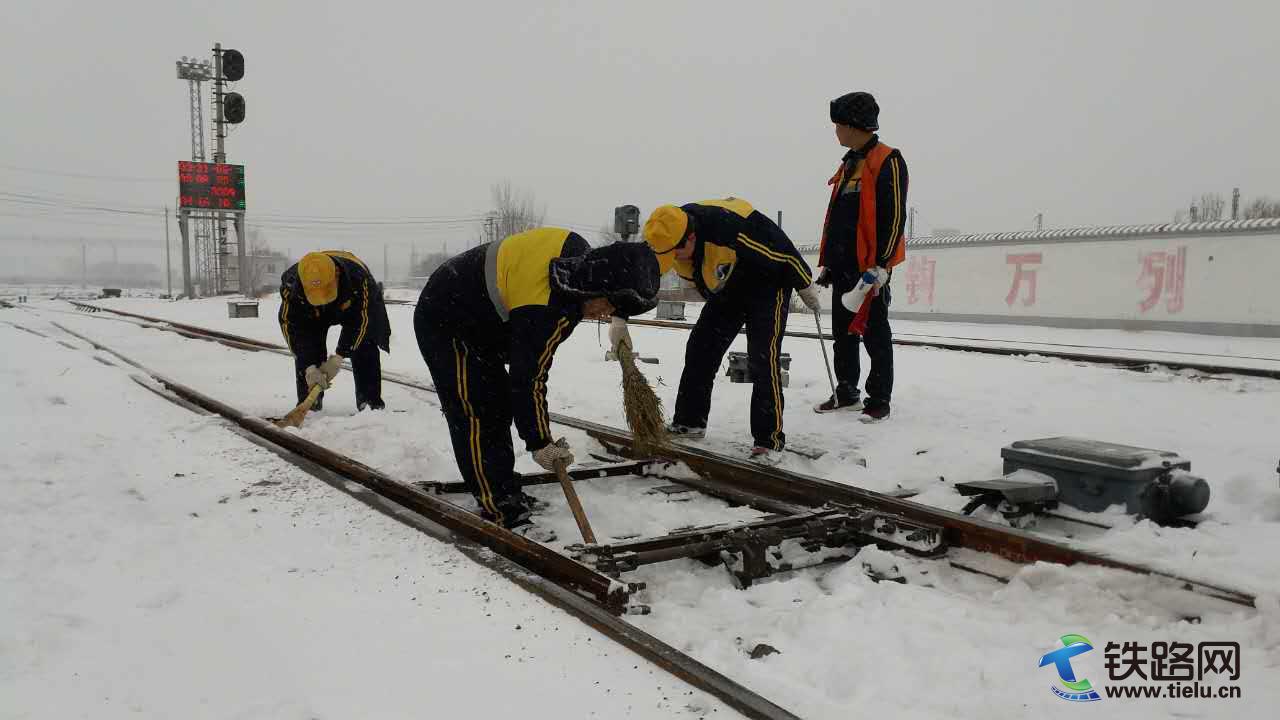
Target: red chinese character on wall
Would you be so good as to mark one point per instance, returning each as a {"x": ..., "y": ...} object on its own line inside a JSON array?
[
  {"x": 1163, "y": 274},
  {"x": 920, "y": 272},
  {"x": 1021, "y": 273}
]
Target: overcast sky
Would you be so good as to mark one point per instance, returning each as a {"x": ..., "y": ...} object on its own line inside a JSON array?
[{"x": 1090, "y": 112}]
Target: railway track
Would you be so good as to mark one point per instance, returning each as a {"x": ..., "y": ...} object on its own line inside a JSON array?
[
  {"x": 797, "y": 508},
  {"x": 592, "y": 597},
  {"x": 1061, "y": 351},
  {"x": 778, "y": 491}
]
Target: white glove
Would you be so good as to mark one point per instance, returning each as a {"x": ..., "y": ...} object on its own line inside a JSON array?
[
  {"x": 557, "y": 451},
  {"x": 331, "y": 366},
  {"x": 876, "y": 275},
  {"x": 315, "y": 376},
  {"x": 809, "y": 296},
  {"x": 619, "y": 333}
]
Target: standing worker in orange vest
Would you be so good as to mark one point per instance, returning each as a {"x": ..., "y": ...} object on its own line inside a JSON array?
[{"x": 862, "y": 241}]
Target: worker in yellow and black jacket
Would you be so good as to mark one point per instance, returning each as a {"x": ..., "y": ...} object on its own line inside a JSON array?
[
  {"x": 862, "y": 241},
  {"x": 745, "y": 267},
  {"x": 330, "y": 288},
  {"x": 513, "y": 302}
]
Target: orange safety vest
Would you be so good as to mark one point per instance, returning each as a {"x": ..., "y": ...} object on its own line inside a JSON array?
[{"x": 866, "y": 235}]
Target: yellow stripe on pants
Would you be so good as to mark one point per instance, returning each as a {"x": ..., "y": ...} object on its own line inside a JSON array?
[
  {"x": 473, "y": 439},
  {"x": 775, "y": 374}
]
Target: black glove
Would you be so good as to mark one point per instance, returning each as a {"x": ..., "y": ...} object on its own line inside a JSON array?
[{"x": 823, "y": 279}]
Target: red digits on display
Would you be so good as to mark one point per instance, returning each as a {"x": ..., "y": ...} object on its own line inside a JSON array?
[{"x": 210, "y": 185}]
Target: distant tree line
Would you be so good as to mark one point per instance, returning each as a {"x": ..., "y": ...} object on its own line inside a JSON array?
[
  {"x": 513, "y": 211},
  {"x": 1213, "y": 206}
]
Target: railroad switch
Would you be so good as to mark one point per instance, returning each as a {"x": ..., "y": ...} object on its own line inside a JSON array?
[
  {"x": 753, "y": 551},
  {"x": 1019, "y": 498}
]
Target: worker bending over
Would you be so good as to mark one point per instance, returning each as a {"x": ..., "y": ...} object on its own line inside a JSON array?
[
  {"x": 330, "y": 288},
  {"x": 745, "y": 267},
  {"x": 512, "y": 303}
]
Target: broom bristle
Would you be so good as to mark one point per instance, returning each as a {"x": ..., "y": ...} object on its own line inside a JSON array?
[{"x": 642, "y": 406}]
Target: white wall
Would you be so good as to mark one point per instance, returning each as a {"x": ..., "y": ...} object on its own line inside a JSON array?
[{"x": 1213, "y": 283}]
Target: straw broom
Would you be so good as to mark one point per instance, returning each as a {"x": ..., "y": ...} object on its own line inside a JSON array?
[{"x": 642, "y": 406}]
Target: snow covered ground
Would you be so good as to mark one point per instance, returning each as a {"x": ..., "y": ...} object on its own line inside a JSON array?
[
  {"x": 947, "y": 643},
  {"x": 155, "y": 564}
]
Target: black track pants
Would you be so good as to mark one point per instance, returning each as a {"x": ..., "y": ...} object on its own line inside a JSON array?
[
  {"x": 878, "y": 340},
  {"x": 475, "y": 397},
  {"x": 765, "y": 315}
]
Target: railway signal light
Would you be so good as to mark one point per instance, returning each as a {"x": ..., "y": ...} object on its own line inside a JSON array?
[
  {"x": 233, "y": 108},
  {"x": 232, "y": 65},
  {"x": 626, "y": 220}
]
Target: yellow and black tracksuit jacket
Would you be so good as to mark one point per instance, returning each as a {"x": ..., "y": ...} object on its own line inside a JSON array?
[
  {"x": 739, "y": 246},
  {"x": 359, "y": 309},
  {"x": 866, "y": 214},
  {"x": 498, "y": 301},
  {"x": 746, "y": 268}
]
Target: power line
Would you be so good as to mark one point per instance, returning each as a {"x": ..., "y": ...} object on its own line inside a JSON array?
[
  {"x": 86, "y": 176},
  {"x": 57, "y": 207},
  {"x": 51, "y": 199},
  {"x": 37, "y": 201}
]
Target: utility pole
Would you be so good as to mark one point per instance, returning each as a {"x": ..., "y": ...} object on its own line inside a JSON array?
[
  {"x": 220, "y": 156},
  {"x": 911, "y": 223},
  {"x": 386, "y": 273},
  {"x": 1039, "y": 221},
  {"x": 84, "y": 265},
  {"x": 168, "y": 268},
  {"x": 1235, "y": 203},
  {"x": 779, "y": 219}
]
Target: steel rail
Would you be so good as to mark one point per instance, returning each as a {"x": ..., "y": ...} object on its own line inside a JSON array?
[
  {"x": 593, "y": 598},
  {"x": 1129, "y": 363},
  {"x": 534, "y": 556},
  {"x": 960, "y": 530},
  {"x": 773, "y": 489}
]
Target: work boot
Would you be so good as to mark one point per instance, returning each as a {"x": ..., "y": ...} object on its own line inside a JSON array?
[
  {"x": 531, "y": 531},
  {"x": 534, "y": 504},
  {"x": 874, "y": 410},
  {"x": 835, "y": 403},
  {"x": 685, "y": 432},
  {"x": 765, "y": 456}
]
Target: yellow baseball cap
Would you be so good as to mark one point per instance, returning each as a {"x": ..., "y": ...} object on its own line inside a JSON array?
[
  {"x": 319, "y": 276},
  {"x": 664, "y": 230}
]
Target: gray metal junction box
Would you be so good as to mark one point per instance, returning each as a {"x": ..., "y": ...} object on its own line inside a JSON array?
[{"x": 1093, "y": 475}]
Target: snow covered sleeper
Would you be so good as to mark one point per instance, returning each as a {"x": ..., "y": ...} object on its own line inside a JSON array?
[{"x": 513, "y": 302}]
